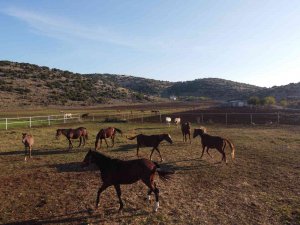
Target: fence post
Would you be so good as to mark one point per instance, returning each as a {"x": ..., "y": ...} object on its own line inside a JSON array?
[
  {"x": 160, "y": 117},
  {"x": 226, "y": 118},
  {"x": 202, "y": 118},
  {"x": 6, "y": 124},
  {"x": 251, "y": 122},
  {"x": 93, "y": 117},
  {"x": 30, "y": 122},
  {"x": 64, "y": 119},
  {"x": 142, "y": 118},
  {"x": 49, "y": 123},
  {"x": 277, "y": 117}
]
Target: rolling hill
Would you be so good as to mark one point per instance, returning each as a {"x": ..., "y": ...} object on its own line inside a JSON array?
[{"x": 24, "y": 84}]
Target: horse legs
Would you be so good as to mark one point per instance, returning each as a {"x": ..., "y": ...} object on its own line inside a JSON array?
[
  {"x": 70, "y": 144},
  {"x": 118, "y": 190},
  {"x": 137, "y": 150},
  {"x": 208, "y": 152},
  {"x": 30, "y": 148},
  {"x": 113, "y": 141},
  {"x": 203, "y": 148},
  {"x": 152, "y": 188},
  {"x": 106, "y": 142},
  {"x": 101, "y": 189},
  {"x": 80, "y": 140},
  {"x": 190, "y": 138},
  {"x": 25, "y": 153},
  {"x": 161, "y": 159},
  {"x": 96, "y": 144},
  {"x": 223, "y": 155},
  {"x": 83, "y": 138},
  {"x": 151, "y": 153}
]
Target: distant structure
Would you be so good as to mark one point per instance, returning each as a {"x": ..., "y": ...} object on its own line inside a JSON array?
[
  {"x": 237, "y": 103},
  {"x": 173, "y": 97}
]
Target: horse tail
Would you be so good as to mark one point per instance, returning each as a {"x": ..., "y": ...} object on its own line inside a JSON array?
[
  {"x": 231, "y": 146},
  {"x": 163, "y": 174},
  {"x": 131, "y": 138},
  {"x": 118, "y": 130}
]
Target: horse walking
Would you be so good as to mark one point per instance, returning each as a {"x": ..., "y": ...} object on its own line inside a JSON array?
[
  {"x": 109, "y": 132},
  {"x": 186, "y": 130},
  {"x": 28, "y": 141},
  {"x": 79, "y": 132},
  {"x": 217, "y": 142},
  {"x": 151, "y": 141},
  {"x": 116, "y": 172}
]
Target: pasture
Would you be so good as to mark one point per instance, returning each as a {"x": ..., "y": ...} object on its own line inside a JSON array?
[{"x": 261, "y": 186}]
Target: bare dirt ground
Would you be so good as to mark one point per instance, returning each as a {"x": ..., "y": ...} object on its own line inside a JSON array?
[{"x": 261, "y": 186}]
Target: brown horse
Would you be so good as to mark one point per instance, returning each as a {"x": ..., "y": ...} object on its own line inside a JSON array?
[
  {"x": 27, "y": 140},
  {"x": 186, "y": 130},
  {"x": 79, "y": 132},
  {"x": 109, "y": 132},
  {"x": 116, "y": 172},
  {"x": 213, "y": 142},
  {"x": 151, "y": 141}
]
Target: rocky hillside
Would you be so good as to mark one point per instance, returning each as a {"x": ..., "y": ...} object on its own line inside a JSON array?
[{"x": 24, "y": 84}]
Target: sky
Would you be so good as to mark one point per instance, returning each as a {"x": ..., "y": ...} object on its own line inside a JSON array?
[{"x": 250, "y": 41}]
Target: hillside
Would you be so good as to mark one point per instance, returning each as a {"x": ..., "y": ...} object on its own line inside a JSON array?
[
  {"x": 213, "y": 88},
  {"x": 23, "y": 84}
]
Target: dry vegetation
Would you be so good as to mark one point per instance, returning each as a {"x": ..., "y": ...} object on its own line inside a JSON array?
[{"x": 260, "y": 187}]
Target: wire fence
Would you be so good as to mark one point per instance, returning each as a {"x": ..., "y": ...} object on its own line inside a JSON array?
[{"x": 157, "y": 117}]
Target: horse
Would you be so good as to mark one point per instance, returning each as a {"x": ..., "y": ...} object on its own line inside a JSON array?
[
  {"x": 28, "y": 141},
  {"x": 186, "y": 130},
  {"x": 168, "y": 120},
  {"x": 213, "y": 142},
  {"x": 151, "y": 141},
  {"x": 177, "y": 121},
  {"x": 116, "y": 172},
  {"x": 79, "y": 132},
  {"x": 67, "y": 115},
  {"x": 109, "y": 132}
]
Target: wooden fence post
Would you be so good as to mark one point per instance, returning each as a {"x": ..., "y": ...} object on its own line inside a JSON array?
[
  {"x": 160, "y": 117},
  {"x": 226, "y": 118},
  {"x": 49, "y": 123},
  {"x": 6, "y": 125},
  {"x": 277, "y": 117},
  {"x": 30, "y": 122},
  {"x": 251, "y": 122}
]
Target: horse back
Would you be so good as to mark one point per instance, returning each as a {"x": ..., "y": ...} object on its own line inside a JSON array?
[
  {"x": 148, "y": 141},
  {"x": 212, "y": 141}
]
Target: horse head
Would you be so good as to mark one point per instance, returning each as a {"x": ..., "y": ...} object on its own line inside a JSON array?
[
  {"x": 58, "y": 133},
  {"x": 199, "y": 132},
  {"x": 87, "y": 159},
  {"x": 24, "y": 135}
]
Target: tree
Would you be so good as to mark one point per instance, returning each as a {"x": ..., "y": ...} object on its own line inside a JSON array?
[
  {"x": 269, "y": 100},
  {"x": 253, "y": 100}
]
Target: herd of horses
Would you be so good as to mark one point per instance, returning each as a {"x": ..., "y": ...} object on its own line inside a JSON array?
[{"x": 115, "y": 172}]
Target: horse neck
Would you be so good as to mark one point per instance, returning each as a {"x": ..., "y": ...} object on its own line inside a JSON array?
[{"x": 101, "y": 160}]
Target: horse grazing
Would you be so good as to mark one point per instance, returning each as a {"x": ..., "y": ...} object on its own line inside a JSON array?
[
  {"x": 186, "y": 130},
  {"x": 151, "y": 141},
  {"x": 213, "y": 142},
  {"x": 109, "y": 132},
  {"x": 79, "y": 132},
  {"x": 116, "y": 172},
  {"x": 27, "y": 140}
]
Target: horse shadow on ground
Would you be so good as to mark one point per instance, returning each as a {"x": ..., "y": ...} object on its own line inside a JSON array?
[
  {"x": 37, "y": 152},
  {"x": 72, "y": 167},
  {"x": 80, "y": 217},
  {"x": 125, "y": 148},
  {"x": 171, "y": 166}
]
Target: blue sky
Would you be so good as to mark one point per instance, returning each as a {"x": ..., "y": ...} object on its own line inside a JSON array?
[{"x": 256, "y": 42}]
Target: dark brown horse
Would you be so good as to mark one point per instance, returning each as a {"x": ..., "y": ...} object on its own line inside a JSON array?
[
  {"x": 213, "y": 142},
  {"x": 151, "y": 141},
  {"x": 27, "y": 140},
  {"x": 79, "y": 132},
  {"x": 116, "y": 172},
  {"x": 186, "y": 130},
  {"x": 109, "y": 132}
]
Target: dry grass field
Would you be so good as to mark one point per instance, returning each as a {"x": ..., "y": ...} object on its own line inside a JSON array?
[{"x": 261, "y": 186}]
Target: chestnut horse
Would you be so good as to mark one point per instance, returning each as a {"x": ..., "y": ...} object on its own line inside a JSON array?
[
  {"x": 213, "y": 142},
  {"x": 79, "y": 132},
  {"x": 116, "y": 172},
  {"x": 27, "y": 140},
  {"x": 186, "y": 130},
  {"x": 109, "y": 132},
  {"x": 151, "y": 141}
]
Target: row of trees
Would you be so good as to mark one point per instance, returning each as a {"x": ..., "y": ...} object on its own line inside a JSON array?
[{"x": 269, "y": 100}]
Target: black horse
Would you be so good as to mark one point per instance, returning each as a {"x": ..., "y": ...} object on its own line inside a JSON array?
[
  {"x": 151, "y": 141},
  {"x": 116, "y": 172}
]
